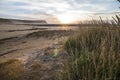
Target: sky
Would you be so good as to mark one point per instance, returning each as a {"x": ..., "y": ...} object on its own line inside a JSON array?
[{"x": 56, "y": 10}]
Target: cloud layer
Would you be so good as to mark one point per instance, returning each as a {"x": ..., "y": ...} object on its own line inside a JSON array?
[{"x": 51, "y": 9}]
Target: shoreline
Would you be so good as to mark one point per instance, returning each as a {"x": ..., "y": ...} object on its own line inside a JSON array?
[{"x": 22, "y": 45}]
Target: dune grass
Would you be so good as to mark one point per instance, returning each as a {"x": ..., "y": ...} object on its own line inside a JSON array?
[
  {"x": 94, "y": 53},
  {"x": 11, "y": 70}
]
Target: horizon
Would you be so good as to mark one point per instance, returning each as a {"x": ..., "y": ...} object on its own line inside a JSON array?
[{"x": 69, "y": 11}]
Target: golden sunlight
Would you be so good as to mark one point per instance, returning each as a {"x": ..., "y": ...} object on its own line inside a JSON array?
[
  {"x": 65, "y": 28},
  {"x": 65, "y": 19}
]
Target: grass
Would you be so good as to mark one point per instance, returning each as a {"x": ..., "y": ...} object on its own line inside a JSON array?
[
  {"x": 11, "y": 70},
  {"x": 94, "y": 53}
]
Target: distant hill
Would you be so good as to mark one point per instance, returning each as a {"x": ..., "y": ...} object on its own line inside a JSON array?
[
  {"x": 4, "y": 20},
  {"x": 16, "y": 21}
]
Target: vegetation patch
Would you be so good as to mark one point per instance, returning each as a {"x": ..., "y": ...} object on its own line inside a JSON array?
[
  {"x": 94, "y": 54},
  {"x": 11, "y": 70}
]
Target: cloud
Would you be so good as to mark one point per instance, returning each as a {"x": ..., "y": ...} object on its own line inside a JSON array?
[{"x": 50, "y": 9}]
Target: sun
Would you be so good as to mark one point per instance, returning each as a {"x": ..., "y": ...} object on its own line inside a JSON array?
[{"x": 65, "y": 19}]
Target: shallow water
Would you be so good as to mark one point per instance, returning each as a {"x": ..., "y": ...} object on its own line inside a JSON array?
[{"x": 58, "y": 27}]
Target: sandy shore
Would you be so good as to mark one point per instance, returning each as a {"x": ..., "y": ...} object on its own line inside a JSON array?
[
  {"x": 19, "y": 41},
  {"x": 35, "y": 47}
]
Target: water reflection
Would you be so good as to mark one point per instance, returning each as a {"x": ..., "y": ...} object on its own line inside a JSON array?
[
  {"x": 59, "y": 28},
  {"x": 65, "y": 28}
]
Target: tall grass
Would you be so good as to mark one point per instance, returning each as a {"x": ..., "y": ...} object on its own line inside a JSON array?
[{"x": 94, "y": 53}]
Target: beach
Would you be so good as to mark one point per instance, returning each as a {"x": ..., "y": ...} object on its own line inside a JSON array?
[{"x": 19, "y": 41}]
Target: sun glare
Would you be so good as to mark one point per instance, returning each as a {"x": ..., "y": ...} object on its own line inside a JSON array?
[{"x": 65, "y": 19}]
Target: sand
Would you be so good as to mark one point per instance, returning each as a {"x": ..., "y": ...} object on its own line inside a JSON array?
[
  {"x": 35, "y": 47},
  {"x": 15, "y": 44}
]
